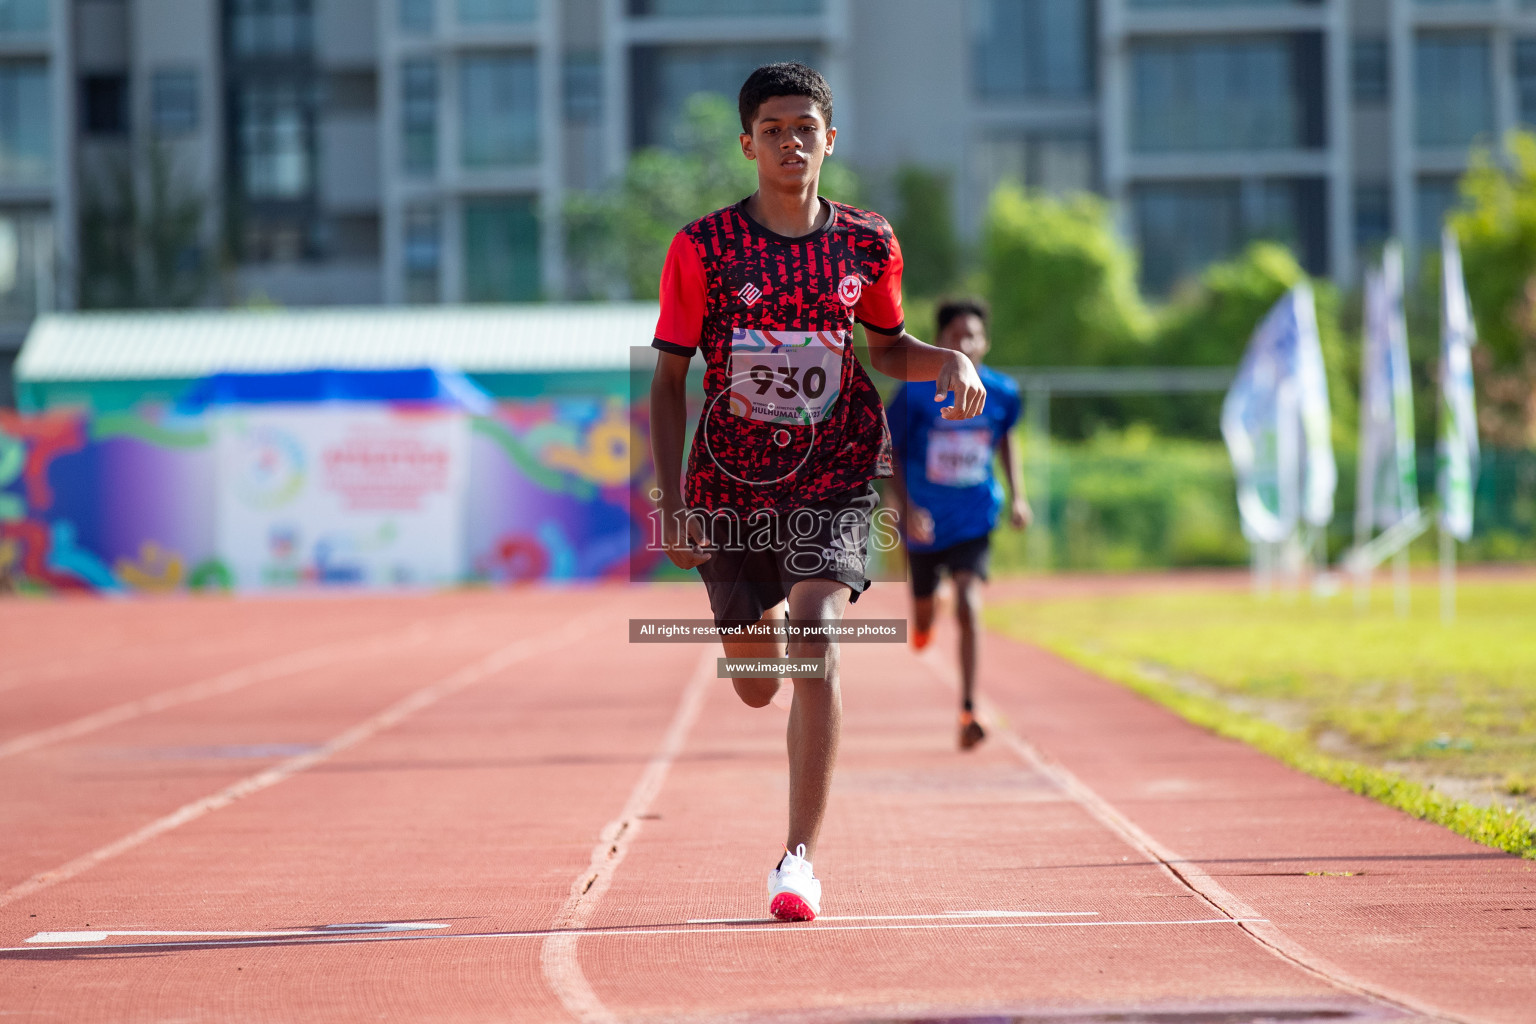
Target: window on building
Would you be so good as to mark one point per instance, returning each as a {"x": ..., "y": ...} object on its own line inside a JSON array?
[
  {"x": 1370, "y": 74},
  {"x": 26, "y": 248},
  {"x": 1035, "y": 48},
  {"x": 1233, "y": 93},
  {"x": 721, "y": 8},
  {"x": 354, "y": 237},
  {"x": 418, "y": 112},
  {"x": 423, "y": 254},
  {"x": 1058, "y": 162},
  {"x": 1183, "y": 227},
  {"x": 417, "y": 15},
  {"x": 104, "y": 105},
  {"x": 173, "y": 101},
  {"x": 501, "y": 250},
  {"x": 20, "y": 16},
  {"x": 1525, "y": 79},
  {"x": 1186, "y": 4},
  {"x": 664, "y": 77},
  {"x": 583, "y": 88},
  {"x": 26, "y": 124},
  {"x": 488, "y": 12},
  {"x": 498, "y": 110},
  {"x": 1453, "y": 88},
  {"x": 351, "y": 93},
  {"x": 271, "y": 28},
  {"x": 1373, "y": 216},
  {"x": 1437, "y": 196},
  {"x": 276, "y": 139}
]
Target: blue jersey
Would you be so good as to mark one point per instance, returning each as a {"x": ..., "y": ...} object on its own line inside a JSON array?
[{"x": 947, "y": 464}]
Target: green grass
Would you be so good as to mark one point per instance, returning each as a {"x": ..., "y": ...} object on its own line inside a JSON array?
[{"x": 1439, "y": 721}]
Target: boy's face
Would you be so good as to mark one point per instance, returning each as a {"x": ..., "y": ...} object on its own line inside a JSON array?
[
  {"x": 789, "y": 140},
  {"x": 966, "y": 334}
]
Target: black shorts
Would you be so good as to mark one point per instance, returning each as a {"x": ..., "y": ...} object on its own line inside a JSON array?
[
  {"x": 759, "y": 557},
  {"x": 967, "y": 556}
]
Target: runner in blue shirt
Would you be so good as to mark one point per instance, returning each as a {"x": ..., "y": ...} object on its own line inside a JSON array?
[{"x": 949, "y": 494}]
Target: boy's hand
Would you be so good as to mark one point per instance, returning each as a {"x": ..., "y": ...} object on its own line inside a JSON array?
[
  {"x": 920, "y": 525},
  {"x": 959, "y": 375},
  {"x": 682, "y": 537},
  {"x": 1021, "y": 515}
]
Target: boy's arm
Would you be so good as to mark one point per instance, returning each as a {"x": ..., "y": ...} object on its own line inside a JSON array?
[
  {"x": 902, "y": 356},
  {"x": 1019, "y": 513},
  {"x": 682, "y": 536}
]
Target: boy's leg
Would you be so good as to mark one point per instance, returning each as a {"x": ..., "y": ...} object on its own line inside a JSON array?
[
  {"x": 968, "y": 617},
  {"x": 815, "y": 718},
  {"x": 923, "y": 569},
  {"x": 922, "y": 614},
  {"x": 757, "y": 693},
  {"x": 968, "y": 570}
]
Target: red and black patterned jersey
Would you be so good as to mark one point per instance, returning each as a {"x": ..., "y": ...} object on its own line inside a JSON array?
[{"x": 790, "y": 416}]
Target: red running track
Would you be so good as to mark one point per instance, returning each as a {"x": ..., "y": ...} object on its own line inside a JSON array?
[{"x": 491, "y": 807}]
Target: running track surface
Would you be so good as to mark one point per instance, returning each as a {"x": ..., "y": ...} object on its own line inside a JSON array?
[{"x": 491, "y": 807}]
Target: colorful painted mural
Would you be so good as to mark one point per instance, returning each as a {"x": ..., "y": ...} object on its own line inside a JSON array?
[{"x": 126, "y": 502}]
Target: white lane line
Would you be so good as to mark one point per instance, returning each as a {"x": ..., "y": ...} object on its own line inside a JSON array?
[
  {"x": 397, "y": 712},
  {"x": 561, "y": 967},
  {"x": 799, "y": 931},
  {"x": 224, "y": 682},
  {"x": 1184, "y": 871},
  {"x": 947, "y": 916},
  {"x": 330, "y": 929}
]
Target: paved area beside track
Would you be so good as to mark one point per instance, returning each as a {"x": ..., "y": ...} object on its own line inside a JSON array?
[{"x": 492, "y": 807}]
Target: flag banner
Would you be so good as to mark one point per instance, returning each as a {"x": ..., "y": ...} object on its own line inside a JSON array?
[
  {"x": 1457, "y": 450},
  {"x": 1277, "y": 424},
  {"x": 1387, "y": 483}
]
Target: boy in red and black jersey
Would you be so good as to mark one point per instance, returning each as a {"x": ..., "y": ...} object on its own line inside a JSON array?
[{"x": 777, "y": 499}]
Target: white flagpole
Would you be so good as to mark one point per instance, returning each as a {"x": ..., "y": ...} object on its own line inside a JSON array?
[{"x": 1447, "y": 576}]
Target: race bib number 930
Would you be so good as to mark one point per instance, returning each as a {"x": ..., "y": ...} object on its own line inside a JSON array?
[{"x": 785, "y": 376}]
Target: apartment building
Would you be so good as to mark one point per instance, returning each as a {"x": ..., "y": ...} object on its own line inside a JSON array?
[{"x": 420, "y": 151}]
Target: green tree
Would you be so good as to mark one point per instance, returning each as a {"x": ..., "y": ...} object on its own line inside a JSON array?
[
  {"x": 1211, "y": 324},
  {"x": 925, "y": 224},
  {"x": 1496, "y": 226},
  {"x": 140, "y": 237},
  {"x": 1061, "y": 282},
  {"x": 618, "y": 238}
]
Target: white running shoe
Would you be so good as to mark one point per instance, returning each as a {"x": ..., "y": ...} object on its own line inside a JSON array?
[{"x": 794, "y": 894}]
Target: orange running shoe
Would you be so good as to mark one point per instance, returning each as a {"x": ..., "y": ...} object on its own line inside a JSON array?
[
  {"x": 971, "y": 732},
  {"x": 920, "y": 638}
]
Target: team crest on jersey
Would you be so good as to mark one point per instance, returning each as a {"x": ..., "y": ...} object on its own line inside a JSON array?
[
  {"x": 850, "y": 288},
  {"x": 750, "y": 293}
]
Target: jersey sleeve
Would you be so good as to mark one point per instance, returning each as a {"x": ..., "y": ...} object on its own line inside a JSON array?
[
  {"x": 682, "y": 299},
  {"x": 879, "y": 306},
  {"x": 1012, "y": 409}
]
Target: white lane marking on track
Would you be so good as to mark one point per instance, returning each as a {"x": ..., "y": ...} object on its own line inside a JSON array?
[
  {"x": 224, "y": 682},
  {"x": 330, "y": 929},
  {"x": 397, "y": 712},
  {"x": 947, "y": 916},
  {"x": 1184, "y": 871},
  {"x": 558, "y": 958},
  {"x": 798, "y": 930}
]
